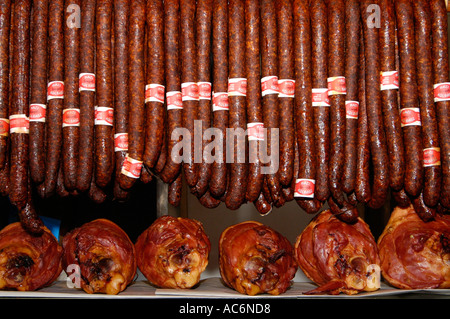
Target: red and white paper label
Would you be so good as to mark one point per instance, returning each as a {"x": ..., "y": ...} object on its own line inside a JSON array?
[
  {"x": 55, "y": 90},
  {"x": 220, "y": 101},
  {"x": 4, "y": 127},
  {"x": 37, "y": 112},
  {"x": 304, "y": 187},
  {"x": 86, "y": 82},
  {"x": 269, "y": 85},
  {"x": 154, "y": 93},
  {"x": 121, "y": 142},
  {"x": 189, "y": 91},
  {"x": 255, "y": 131},
  {"x": 389, "y": 80},
  {"x": 204, "y": 90},
  {"x": 351, "y": 109},
  {"x": 286, "y": 87},
  {"x": 71, "y": 117},
  {"x": 237, "y": 87},
  {"x": 174, "y": 101},
  {"x": 104, "y": 115},
  {"x": 431, "y": 156},
  {"x": 19, "y": 123},
  {"x": 337, "y": 85},
  {"x": 442, "y": 92},
  {"x": 410, "y": 116},
  {"x": 320, "y": 97},
  {"x": 131, "y": 167}
]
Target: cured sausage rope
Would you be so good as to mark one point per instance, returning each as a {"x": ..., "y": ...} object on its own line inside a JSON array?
[
  {"x": 5, "y": 16},
  {"x": 440, "y": 75},
  {"x": 38, "y": 91},
  {"x": 87, "y": 95}
]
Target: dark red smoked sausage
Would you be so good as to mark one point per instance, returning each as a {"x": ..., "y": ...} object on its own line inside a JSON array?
[
  {"x": 203, "y": 33},
  {"x": 173, "y": 84},
  {"x": 412, "y": 134},
  {"x": 254, "y": 107},
  {"x": 440, "y": 74},
  {"x": 136, "y": 92},
  {"x": 285, "y": 98},
  {"x": 155, "y": 76},
  {"x": 175, "y": 189},
  {"x": 38, "y": 90},
  {"x": 303, "y": 105},
  {"x": 218, "y": 182},
  {"x": 5, "y": 16},
  {"x": 389, "y": 97},
  {"x": 319, "y": 47},
  {"x": 71, "y": 112},
  {"x": 378, "y": 147},
  {"x": 19, "y": 178},
  {"x": 237, "y": 186},
  {"x": 87, "y": 96},
  {"x": 430, "y": 138}
]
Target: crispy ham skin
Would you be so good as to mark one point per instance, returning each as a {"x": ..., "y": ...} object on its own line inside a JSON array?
[
  {"x": 173, "y": 252},
  {"x": 337, "y": 256},
  {"x": 415, "y": 254},
  {"x": 255, "y": 259},
  {"x": 28, "y": 262},
  {"x": 105, "y": 255}
]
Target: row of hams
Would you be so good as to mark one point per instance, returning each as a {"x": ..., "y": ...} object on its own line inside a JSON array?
[{"x": 253, "y": 258}]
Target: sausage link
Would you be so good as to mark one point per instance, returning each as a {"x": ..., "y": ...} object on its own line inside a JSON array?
[
  {"x": 71, "y": 134},
  {"x": 5, "y": 16},
  {"x": 389, "y": 97},
  {"x": 19, "y": 178},
  {"x": 378, "y": 147},
  {"x": 440, "y": 74},
  {"x": 175, "y": 189},
  {"x": 87, "y": 97},
  {"x": 352, "y": 26},
  {"x": 203, "y": 31},
  {"x": 154, "y": 75},
  {"x": 95, "y": 193},
  {"x": 401, "y": 198},
  {"x": 286, "y": 104},
  {"x": 173, "y": 83},
  {"x": 254, "y": 107},
  {"x": 303, "y": 102},
  {"x": 319, "y": 47},
  {"x": 425, "y": 212},
  {"x": 218, "y": 182},
  {"x": 29, "y": 219},
  {"x": 262, "y": 205},
  {"x": 159, "y": 166},
  {"x": 136, "y": 87},
  {"x": 4, "y": 175},
  {"x": 208, "y": 201},
  {"x": 408, "y": 97},
  {"x": 430, "y": 138},
  {"x": 347, "y": 213},
  {"x": 271, "y": 112}
]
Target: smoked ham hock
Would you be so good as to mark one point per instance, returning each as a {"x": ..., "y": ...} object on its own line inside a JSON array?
[
  {"x": 173, "y": 252},
  {"x": 28, "y": 262},
  {"x": 415, "y": 254},
  {"x": 255, "y": 259},
  {"x": 105, "y": 255},
  {"x": 337, "y": 256}
]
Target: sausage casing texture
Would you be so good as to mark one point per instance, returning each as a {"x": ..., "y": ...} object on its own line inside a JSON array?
[
  {"x": 378, "y": 147},
  {"x": 408, "y": 97},
  {"x": 71, "y": 133},
  {"x": 38, "y": 89},
  {"x": 203, "y": 31},
  {"x": 19, "y": 178},
  {"x": 319, "y": 47},
  {"x": 175, "y": 189},
  {"x": 235, "y": 195},
  {"x": 155, "y": 75},
  {"x": 389, "y": 98},
  {"x": 5, "y": 19},
  {"x": 440, "y": 72},
  {"x": 136, "y": 87},
  {"x": 104, "y": 147},
  {"x": 218, "y": 182},
  {"x": 254, "y": 107},
  {"x": 87, "y": 97},
  {"x": 430, "y": 138}
]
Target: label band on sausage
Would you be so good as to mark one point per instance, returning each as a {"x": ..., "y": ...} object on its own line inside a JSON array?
[
  {"x": 131, "y": 167},
  {"x": 255, "y": 131},
  {"x": 410, "y": 116},
  {"x": 237, "y": 87},
  {"x": 204, "y": 90},
  {"x": 4, "y": 127},
  {"x": 55, "y": 90},
  {"x": 389, "y": 80},
  {"x": 19, "y": 123},
  {"x": 120, "y": 142},
  {"x": 71, "y": 117},
  {"x": 174, "y": 100},
  {"x": 220, "y": 101},
  {"x": 336, "y": 85},
  {"x": 442, "y": 92},
  {"x": 104, "y": 115},
  {"x": 189, "y": 91},
  {"x": 431, "y": 157},
  {"x": 86, "y": 82},
  {"x": 351, "y": 109},
  {"x": 269, "y": 85},
  {"x": 286, "y": 88},
  {"x": 154, "y": 93},
  {"x": 304, "y": 187},
  {"x": 320, "y": 97},
  {"x": 37, "y": 112}
]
